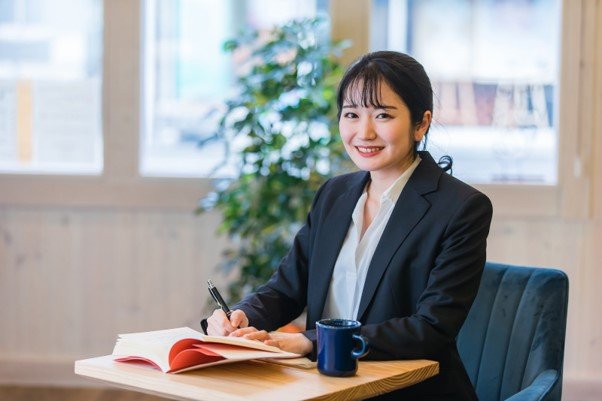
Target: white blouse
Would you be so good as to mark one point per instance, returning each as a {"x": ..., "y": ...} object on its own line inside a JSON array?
[{"x": 354, "y": 258}]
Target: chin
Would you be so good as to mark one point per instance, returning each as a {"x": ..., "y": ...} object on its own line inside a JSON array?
[{"x": 365, "y": 166}]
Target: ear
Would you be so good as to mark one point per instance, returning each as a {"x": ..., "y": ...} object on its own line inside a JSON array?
[{"x": 423, "y": 126}]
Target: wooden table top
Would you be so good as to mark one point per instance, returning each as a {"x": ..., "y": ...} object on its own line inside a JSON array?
[{"x": 256, "y": 380}]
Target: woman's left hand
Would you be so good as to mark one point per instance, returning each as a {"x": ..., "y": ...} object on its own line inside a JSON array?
[{"x": 291, "y": 342}]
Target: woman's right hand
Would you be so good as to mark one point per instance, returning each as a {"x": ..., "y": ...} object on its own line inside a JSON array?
[{"x": 219, "y": 325}]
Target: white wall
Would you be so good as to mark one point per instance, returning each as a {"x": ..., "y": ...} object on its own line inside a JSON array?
[{"x": 70, "y": 280}]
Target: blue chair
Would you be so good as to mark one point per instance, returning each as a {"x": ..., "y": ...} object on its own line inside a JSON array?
[{"x": 512, "y": 342}]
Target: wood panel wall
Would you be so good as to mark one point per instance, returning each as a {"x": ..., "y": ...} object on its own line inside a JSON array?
[{"x": 70, "y": 280}]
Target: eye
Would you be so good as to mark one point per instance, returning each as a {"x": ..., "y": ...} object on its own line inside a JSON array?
[
  {"x": 350, "y": 114},
  {"x": 383, "y": 116}
]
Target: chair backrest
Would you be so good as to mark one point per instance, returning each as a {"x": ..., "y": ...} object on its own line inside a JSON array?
[{"x": 515, "y": 330}]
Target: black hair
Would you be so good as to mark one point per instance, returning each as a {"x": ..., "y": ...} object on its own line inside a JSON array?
[{"x": 403, "y": 74}]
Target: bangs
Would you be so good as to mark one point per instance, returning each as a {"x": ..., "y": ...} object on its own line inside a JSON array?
[{"x": 363, "y": 88}]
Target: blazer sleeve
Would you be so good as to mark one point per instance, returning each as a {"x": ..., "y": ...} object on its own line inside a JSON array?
[
  {"x": 284, "y": 296},
  {"x": 451, "y": 288}
]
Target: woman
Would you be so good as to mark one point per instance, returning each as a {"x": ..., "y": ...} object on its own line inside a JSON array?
[{"x": 399, "y": 246}]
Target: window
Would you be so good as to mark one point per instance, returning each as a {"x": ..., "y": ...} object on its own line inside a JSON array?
[
  {"x": 50, "y": 86},
  {"x": 494, "y": 69},
  {"x": 116, "y": 27},
  {"x": 187, "y": 75}
]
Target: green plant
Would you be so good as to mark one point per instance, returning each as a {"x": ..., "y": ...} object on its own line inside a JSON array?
[{"x": 285, "y": 116}]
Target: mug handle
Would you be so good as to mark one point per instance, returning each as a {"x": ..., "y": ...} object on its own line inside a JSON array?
[{"x": 362, "y": 342}]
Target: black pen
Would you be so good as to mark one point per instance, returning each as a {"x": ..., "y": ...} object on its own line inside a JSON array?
[{"x": 218, "y": 298}]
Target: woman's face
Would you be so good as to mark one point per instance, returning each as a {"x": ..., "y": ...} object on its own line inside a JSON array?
[{"x": 380, "y": 139}]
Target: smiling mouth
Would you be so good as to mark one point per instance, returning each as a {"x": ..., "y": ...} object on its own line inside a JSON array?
[{"x": 368, "y": 150}]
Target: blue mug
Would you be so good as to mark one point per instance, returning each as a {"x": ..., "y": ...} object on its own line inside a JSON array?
[{"x": 339, "y": 346}]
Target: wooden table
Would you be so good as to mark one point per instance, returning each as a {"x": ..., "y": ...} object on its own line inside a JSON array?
[{"x": 255, "y": 380}]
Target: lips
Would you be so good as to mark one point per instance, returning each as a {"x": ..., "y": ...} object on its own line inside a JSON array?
[{"x": 369, "y": 150}]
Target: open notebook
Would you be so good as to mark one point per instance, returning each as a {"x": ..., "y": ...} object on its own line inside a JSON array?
[{"x": 182, "y": 349}]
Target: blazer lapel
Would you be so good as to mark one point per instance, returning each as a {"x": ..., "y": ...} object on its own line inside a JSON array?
[
  {"x": 329, "y": 243},
  {"x": 409, "y": 210}
]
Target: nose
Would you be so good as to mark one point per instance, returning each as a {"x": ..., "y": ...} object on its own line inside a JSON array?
[{"x": 365, "y": 129}]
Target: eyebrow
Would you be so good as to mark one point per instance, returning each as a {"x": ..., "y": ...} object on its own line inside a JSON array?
[{"x": 383, "y": 106}]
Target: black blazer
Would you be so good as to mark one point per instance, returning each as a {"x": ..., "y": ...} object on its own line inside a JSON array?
[{"x": 421, "y": 282}]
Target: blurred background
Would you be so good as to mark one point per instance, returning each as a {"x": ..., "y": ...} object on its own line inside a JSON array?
[{"x": 103, "y": 105}]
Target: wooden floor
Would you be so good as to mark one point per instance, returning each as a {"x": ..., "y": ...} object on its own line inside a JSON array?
[{"x": 18, "y": 393}]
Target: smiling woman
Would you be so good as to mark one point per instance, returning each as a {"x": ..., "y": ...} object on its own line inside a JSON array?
[{"x": 398, "y": 246}]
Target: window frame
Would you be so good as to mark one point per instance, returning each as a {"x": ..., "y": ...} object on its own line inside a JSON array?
[{"x": 120, "y": 184}]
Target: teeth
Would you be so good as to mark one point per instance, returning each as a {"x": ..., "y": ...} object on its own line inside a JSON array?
[{"x": 368, "y": 149}]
